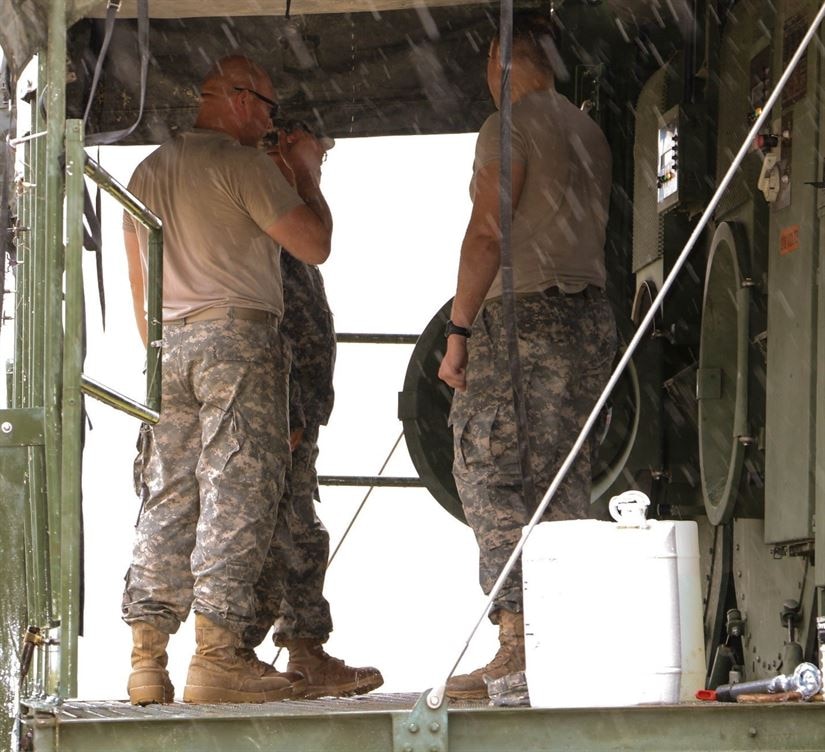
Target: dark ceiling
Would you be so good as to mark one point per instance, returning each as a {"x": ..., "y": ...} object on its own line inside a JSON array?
[{"x": 351, "y": 74}]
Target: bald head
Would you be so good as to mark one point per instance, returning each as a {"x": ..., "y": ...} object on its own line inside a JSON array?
[
  {"x": 233, "y": 98},
  {"x": 235, "y": 71}
]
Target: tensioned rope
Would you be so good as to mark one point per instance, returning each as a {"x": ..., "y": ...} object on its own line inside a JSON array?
[{"x": 354, "y": 518}]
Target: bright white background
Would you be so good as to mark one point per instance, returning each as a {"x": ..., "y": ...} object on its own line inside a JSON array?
[{"x": 403, "y": 588}]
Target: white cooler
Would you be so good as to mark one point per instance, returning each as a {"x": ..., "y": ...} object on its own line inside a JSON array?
[{"x": 613, "y": 610}]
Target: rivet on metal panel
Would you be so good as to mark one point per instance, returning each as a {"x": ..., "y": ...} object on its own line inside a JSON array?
[
  {"x": 413, "y": 728},
  {"x": 434, "y": 726},
  {"x": 751, "y": 731},
  {"x": 408, "y": 748}
]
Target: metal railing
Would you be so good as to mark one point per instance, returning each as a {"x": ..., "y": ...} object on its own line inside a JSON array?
[{"x": 149, "y": 412}]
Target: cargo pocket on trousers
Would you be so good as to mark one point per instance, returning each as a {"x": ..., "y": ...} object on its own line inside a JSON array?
[
  {"x": 473, "y": 458},
  {"x": 226, "y": 443},
  {"x": 144, "y": 448}
]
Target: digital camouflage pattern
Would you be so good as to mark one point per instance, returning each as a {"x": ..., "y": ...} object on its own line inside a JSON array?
[
  {"x": 566, "y": 346},
  {"x": 210, "y": 475},
  {"x": 308, "y": 328},
  {"x": 290, "y": 591}
]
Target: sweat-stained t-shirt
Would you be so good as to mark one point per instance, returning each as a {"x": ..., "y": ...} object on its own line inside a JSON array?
[
  {"x": 558, "y": 229},
  {"x": 216, "y": 198}
]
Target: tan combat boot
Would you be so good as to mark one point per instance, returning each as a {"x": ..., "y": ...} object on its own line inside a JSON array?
[
  {"x": 508, "y": 660},
  {"x": 327, "y": 676},
  {"x": 149, "y": 681},
  {"x": 221, "y": 671},
  {"x": 295, "y": 678}
]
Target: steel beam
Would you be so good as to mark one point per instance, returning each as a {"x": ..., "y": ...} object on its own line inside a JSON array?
[
  {"x": 72, "y": 413},
  {"x": 293, "y": 727},
  {"x": 154, "y": 301},
  {"x": 51, "y": 189},
  {"x": 117, "y": 400},
  {"x": 378, "y": 481}
]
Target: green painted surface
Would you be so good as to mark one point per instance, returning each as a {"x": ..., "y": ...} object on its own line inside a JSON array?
[
  {"x": 71, "y": 539},
  {"x": 793, "y": 359},
  {"x": 293, "y": 727},
  {"x": 13, "y": 612}
]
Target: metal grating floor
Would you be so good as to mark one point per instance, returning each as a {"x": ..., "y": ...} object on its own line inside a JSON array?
[
  {"x": 94, "y": 710},
  {"x": 382, "y": 723},
  {"x": 111, "y": 709}
]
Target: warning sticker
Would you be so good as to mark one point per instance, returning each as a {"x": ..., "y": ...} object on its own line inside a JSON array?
[{"x": 788, "y": 240}]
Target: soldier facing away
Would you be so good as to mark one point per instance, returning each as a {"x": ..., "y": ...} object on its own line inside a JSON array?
[{"x": 561, "y": 176}]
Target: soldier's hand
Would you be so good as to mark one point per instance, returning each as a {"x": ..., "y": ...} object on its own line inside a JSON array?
[
  {"x": 274, "y": 153},
  {"x": 301, "y": 151},
  {"x": 454, "y": 363}
]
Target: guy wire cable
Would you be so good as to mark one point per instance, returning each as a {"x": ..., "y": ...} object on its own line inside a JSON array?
[
  {"x": 436, "y": 695},
  {"x": 352, "y": 521},
  {"x": 364, "y": 501}
]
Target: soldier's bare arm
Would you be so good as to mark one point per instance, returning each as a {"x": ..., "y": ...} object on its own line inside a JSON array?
[
  {"x": 306, "y": 230},
  {"x": 479, "y": 263}
]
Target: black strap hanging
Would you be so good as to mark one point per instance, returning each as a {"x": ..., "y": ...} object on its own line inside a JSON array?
[
  {"x": 111, "y": 137},
  {"x": 508, "y": 298},
  {"x": 93, "y": 236}
]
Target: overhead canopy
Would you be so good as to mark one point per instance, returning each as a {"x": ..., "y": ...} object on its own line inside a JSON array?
[{"x": 374, "y": 67}]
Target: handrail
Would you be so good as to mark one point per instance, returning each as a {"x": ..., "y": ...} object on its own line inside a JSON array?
[{"x": 149, "y": 412}]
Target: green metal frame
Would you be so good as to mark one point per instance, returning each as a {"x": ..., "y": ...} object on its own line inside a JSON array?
[
  {"x": 298, "y": 727},
  {"x": 149, "y": 412},
  {"x": 41, "y": 430}
]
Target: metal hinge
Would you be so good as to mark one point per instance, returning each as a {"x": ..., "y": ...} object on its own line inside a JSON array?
[{"x": 424, "y": 729}]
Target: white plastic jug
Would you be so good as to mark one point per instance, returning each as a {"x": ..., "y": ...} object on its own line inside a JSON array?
[{"x": 613, "y": 610}]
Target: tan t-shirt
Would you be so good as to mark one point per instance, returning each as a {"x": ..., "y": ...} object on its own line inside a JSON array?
[
  {"x": 558, "y": 229},
  {"x": 216, "y": 198}
]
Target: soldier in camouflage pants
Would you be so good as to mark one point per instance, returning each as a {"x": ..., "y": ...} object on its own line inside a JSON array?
[
  {"x": 290, "y": 590},
  {"x": 559, "y": 199},
  {"x": 223, "y": 496},
  {"x": 211, "y": 470},
  {"x": 566, "y": 345}
]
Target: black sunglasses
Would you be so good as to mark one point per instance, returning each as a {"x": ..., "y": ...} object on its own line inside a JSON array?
[{"x": 274, "y": 107}]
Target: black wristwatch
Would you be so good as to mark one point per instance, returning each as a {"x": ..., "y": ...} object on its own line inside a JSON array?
[{"x": 452, "y": 328}]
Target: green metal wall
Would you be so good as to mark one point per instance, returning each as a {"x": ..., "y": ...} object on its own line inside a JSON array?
[{"x": 792, "y": 298}]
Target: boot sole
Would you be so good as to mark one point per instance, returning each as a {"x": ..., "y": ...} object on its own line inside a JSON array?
[
  {"x": 314, "y": 692},
  {"x": 212, "y": 695},
  {"x": 151, "y": 694}
]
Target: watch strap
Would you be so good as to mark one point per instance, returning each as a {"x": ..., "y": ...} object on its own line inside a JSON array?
[{"x": 452, "y": 328}]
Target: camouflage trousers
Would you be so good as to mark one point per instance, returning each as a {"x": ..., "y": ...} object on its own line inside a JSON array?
[
  {"x": 566, "y": 347},
  {"x": 210, "y": 475},
  {"x": 290, "y": 591}
]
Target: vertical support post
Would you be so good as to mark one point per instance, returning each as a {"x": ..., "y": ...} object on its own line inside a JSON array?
[
  {"x": 28, "y": 384},
  {"x": 154, "y": 305},
  {"x": 52, "y": 366},
  {"x": 819, "y": 435},
  {"x": 70, "y": 538}
]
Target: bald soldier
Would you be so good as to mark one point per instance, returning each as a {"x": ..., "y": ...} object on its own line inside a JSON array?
[{"x": 210, "y": 473}]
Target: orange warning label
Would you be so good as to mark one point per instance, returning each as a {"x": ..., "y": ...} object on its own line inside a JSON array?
[{"x": 788, "y": 239}]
